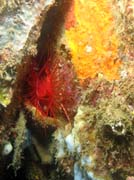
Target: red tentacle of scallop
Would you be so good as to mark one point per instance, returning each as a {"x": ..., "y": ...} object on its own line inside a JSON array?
[{"x": 53, "y": 88}]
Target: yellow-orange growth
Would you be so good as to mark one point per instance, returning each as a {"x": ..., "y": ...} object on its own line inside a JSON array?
[{"x": 92, "y": 41}]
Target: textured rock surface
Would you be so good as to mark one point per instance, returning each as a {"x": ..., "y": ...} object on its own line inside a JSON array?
[
  {"x": 99, "y": 143},
  {"x": 101, "y": 139},
  {"x": 15, "y": 27},
  {"x": 20, "y": 25}
]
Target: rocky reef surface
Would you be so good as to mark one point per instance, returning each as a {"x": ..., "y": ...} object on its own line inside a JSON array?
[
  {"x": 100, "y": 143},
  {"x": 55, "y": 125}
]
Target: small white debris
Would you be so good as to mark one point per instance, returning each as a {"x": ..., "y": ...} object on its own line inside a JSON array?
[
  {"x": 7, "y": 149},
  {"x": 70, "y": 143},
  {"x": 85, "y": 160},
  {"x": 124, "y": 74},
  {"x": 88, "y": 49}
]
